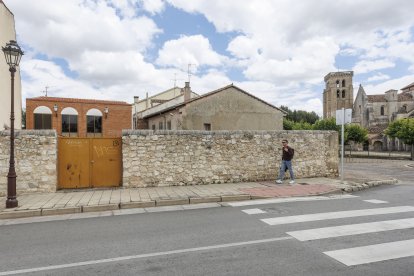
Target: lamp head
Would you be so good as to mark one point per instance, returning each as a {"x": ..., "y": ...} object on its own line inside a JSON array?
[{"x": 12, "y": 53}]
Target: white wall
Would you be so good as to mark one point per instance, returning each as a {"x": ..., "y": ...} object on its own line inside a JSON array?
[{"x": 7, "y": 33}]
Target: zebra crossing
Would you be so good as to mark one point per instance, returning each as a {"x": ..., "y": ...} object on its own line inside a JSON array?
[{"x": 354, "y": 255}]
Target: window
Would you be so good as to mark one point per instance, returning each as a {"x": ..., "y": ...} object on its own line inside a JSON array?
[
  {"x": 153, "y": 127},
  {"x": 160, "y": 125},
  {"x": 42, "y": 118},
  {"x": 343, "y": 83},
  {"x": 94, "y": 123},
  {"x": 69, "y": 122},
  {"x": 337, "y": 93},
  {"x": 343, "y": 93},
  {"x": 169, "y": 125},
  {"x": 337, "y": 83},
  {"x": 382, "y": 110},
  {"x": 207, "y": 127}
]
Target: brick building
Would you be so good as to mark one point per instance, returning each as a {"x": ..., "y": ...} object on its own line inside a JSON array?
[{"x": 78, "y": 117}]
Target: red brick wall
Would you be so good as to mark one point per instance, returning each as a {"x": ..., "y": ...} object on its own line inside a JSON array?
[{"x": 119, "y": 115}]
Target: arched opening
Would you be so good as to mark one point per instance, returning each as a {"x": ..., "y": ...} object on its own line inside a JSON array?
[
  {"x": 69, "y": 122},
  {"x": 382, "y": 110},
  {"x": 337, "y": 83},
  {"x": 343, "y": 93},
  {"x": 337, "y": 93},
  {"x": 343, "y": 83},
  {"x": 42, "y": 117},
  {"x": 94, "y": 123},
  {"x": 377, "y": 145}
]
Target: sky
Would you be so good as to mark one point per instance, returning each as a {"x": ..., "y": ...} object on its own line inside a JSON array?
[{"x": 277, "y": 50}]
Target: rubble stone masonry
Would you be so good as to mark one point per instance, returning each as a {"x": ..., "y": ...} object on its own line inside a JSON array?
[
  {"x": 35, "y": 160},
  {"x": 167, "y": 158}
]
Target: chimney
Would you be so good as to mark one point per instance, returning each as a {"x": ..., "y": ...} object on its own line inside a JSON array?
[
  {"x": 187, "y": 91},
  {"x": 136, "y": 99}
]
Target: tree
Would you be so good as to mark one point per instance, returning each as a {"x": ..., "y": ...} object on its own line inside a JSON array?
[
  {"x": 326, "y": 124},
  {"x": 300, "y": 115},
  {"x": 402, "y": 129},
  {"x": 23, "y": 118},
  {"x": 356, "y": 133},
  {"x": 287, "y": 124}
]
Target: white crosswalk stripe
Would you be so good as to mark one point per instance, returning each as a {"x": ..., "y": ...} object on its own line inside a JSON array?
[
  {"x": 355, "y": 255},
  {"x": 337, "y": 215},
  {"x": 375, "y": 201},
  {"x": 373, "y": 253},
  {"x": 352, "y": 229}
]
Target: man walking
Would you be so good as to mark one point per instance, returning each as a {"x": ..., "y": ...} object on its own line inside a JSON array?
[{"x": 287, "y": 156}]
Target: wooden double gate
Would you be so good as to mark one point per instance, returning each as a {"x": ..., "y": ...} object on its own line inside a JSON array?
[{"x": 89, "y": 162}]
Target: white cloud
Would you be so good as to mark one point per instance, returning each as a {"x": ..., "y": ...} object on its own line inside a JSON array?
[
  {"x": 396, "y": 84},
  {"x": 378, "y": 77},
  {"x": 366, "y": 66},
  {"x": 189, "y": 50},
  {"x": 153, "y": 6}
]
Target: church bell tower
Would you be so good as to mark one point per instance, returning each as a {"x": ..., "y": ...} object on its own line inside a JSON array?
[{"x": 338, "y": 93}]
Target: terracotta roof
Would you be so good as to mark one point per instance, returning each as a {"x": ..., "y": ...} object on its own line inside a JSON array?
[
  {"x": 376, "y": 98},
  {"x": 408, "y": 86},
  {"x": 212, "y": 93},
  {"x": 405, "y": 97},
  {"x": 75, "y": 100}
]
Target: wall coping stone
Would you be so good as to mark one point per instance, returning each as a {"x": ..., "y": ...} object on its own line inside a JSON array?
[
  {"x": 26, "y": 132},
  {"x": 129, "y": 132}
]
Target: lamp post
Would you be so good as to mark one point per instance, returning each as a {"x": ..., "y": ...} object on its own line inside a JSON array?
[{"x": 13, "y": 54}]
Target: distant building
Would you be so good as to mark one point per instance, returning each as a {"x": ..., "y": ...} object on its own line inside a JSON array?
[
  {"x": 149, "y": 102},
  {"x": 78, "y": 117},
  {"x": 338, "y": 93},
  {"x": 227, "y": 108},
  {"x": 375, "y": 112},
  {"x": 7, "y": 33}
]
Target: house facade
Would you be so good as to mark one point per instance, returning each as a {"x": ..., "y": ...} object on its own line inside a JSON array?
[
  {"x": 375, "y": 112},
  {"x": 78, "y": 117},
  {"x": 227, "y": 108},
  {"x": 152, "y": 101},
  {"x": 7, "y": 33}
]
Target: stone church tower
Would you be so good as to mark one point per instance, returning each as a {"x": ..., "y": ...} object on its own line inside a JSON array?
[{"x": 338, "y": 93}]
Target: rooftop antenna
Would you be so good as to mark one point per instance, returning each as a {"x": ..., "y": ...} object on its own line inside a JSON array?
[
  {"x": 175, "y": 82},
  {"x": 189, "y": 71},
  {"x": 45, "y": 91}
]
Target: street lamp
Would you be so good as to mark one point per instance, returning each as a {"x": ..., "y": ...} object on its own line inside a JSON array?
[{"x": 13, "y": 54}]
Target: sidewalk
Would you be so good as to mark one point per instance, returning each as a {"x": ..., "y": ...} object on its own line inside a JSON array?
[{"x": 80, "y": 201}]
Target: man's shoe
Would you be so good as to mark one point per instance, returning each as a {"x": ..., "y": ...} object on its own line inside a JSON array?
[
  {"x": 292, "y": 182},
  {"x": 279, "y": 181}
]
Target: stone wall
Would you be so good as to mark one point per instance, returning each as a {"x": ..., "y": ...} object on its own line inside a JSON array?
[
  {"x": 166, "y": 158},
  {"x": 35, "y": 160}
]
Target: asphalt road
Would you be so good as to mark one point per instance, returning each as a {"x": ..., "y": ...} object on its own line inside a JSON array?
[{"x": 212, "y": 241}]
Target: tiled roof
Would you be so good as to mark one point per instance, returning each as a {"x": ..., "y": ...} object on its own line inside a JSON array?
[
  {"x": 408, "y": 86},
  {"x": 214, "y": 92},
  {"x": 75, "y": 100},
  {"x": 376, "y": 98},
  {"x": 405, "y": 97}
]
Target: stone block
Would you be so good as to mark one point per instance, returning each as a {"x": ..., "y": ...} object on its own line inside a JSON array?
[
  {"x": 195, "y": 200},
  {"x": 61, "y": 211},
  {"x": 20, "y": 214},
  {"x": 235, "y": 198},
  {"x": 139, "y": 204},
  {"x": 168, "y": 202},
  {"x": 100, "y": 208}
]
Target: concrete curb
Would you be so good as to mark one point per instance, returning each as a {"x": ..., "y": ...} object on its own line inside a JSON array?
[
  {"x": 14, "y": 214},
  {"x": 369, "y": 184}
]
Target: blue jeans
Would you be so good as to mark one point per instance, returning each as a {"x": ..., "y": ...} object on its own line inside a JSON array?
[{"x": 288, "y": 165}]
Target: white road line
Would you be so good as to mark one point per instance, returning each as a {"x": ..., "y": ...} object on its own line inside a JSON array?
[
  {"x": 352, "y": 229},
  {"x": 337, "y": 215},
  {"x": 141, "y": 256},
  {"x": 376, "y": 201},
  {"x": 253, "y": 211},
  {"x": 373, "y": 253},
  {"x": 290, "y": 199}
]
